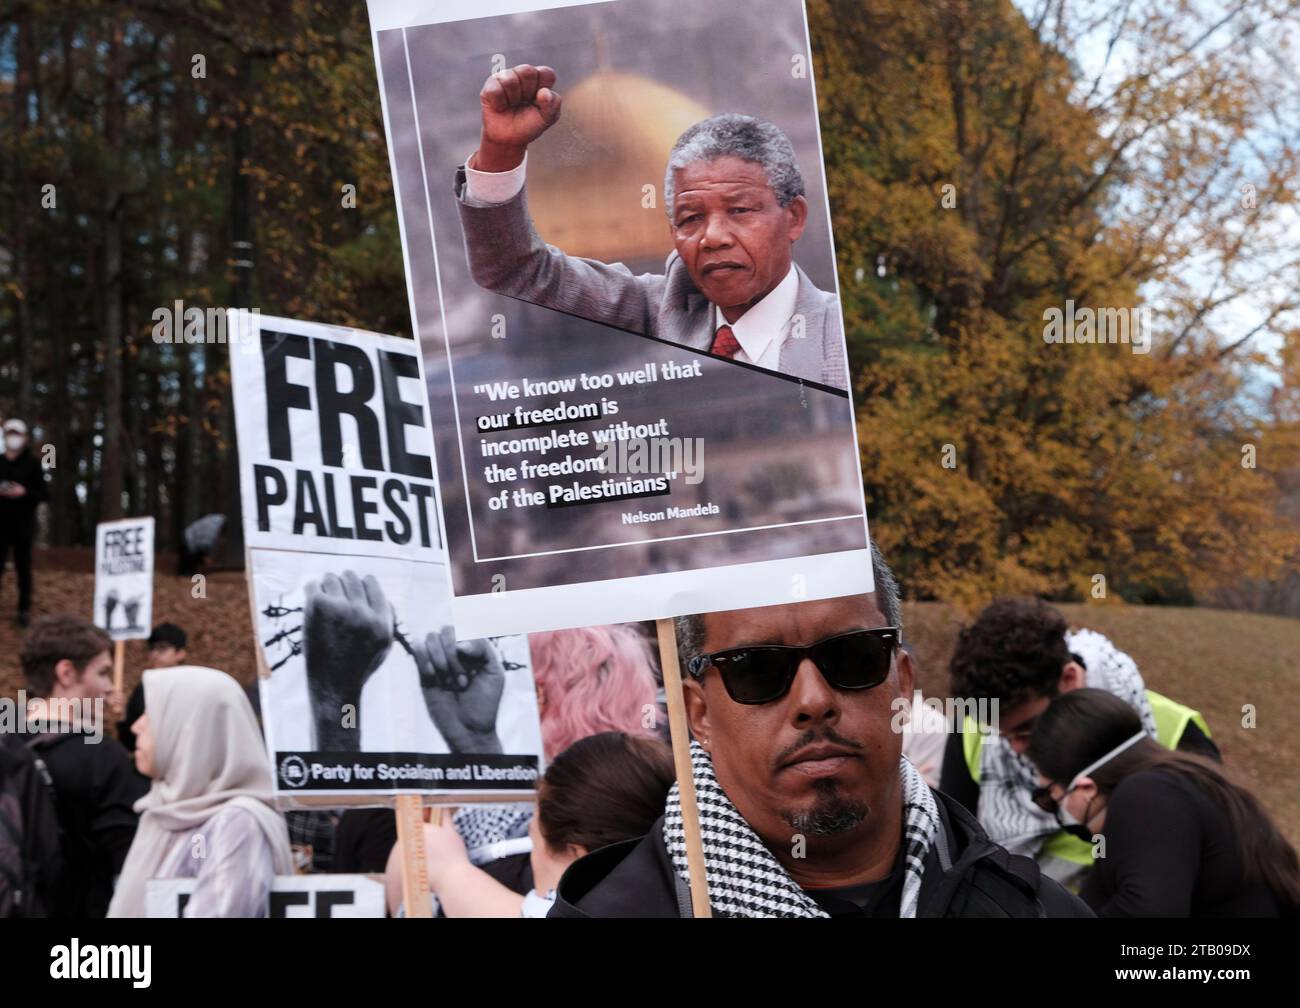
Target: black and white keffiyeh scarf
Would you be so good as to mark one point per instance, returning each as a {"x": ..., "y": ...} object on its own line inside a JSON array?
[
  {"x": 484, "y": 828},
  {"x": 746, "y": 879},
  {"x": 1007, "y": 779}
]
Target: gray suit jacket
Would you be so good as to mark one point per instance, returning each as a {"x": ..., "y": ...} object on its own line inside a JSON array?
[{"x": 507, "y": 256}]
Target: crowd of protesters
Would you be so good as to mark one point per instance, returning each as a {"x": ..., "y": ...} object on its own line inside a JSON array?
[{"x": 1090, "y": 795}]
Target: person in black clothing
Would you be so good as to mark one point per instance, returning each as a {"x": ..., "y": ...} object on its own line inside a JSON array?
[
  {"x": 1015, "y": 658},
  {"x": 22, "y": 488},
  {"x": 1182, "y": 840},
  {"x": 30, "y": 858},
  {"x": 1021, "y": 653},
  {"x": 601, "y": 790},
  {"x": 166, "y": 650},
  {"x": 363, "y": 840},
  {"x": 67, "y": 665},
  {"x": 807, "y": 807}
]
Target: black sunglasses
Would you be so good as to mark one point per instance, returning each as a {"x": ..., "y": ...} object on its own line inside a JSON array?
[{"x": 855, "y": 660}]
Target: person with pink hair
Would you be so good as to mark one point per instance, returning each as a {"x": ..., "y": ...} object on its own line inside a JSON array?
[
  {"x": 592, "y": 680},
  {"x": 589, "y": 681}
]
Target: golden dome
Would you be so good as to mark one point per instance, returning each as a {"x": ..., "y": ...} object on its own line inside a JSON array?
[{"x": 586, "y": 175}]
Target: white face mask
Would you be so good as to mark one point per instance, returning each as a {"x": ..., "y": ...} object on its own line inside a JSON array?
[
  {"x": 14, "y": 441},
  {"x": 1064, "y": 817}
]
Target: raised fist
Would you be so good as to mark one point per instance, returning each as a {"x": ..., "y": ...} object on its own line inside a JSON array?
[
  {"x": 519, "y": 105},
  {"x": 110, "y": 604},
  {"x": 347, "y": 629},
  {"x": 462, "y": 686}
]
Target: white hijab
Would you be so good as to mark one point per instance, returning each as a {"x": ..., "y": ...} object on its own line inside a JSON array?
[{"x": 208, "y": 752}]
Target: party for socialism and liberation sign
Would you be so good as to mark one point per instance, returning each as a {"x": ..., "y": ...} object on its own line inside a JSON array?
[
  {"x": 622, "y": 279},
  {"x": 365, "y": 689}
]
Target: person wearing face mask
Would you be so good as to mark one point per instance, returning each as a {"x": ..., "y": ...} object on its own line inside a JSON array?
[
  {"x": 1018, "y": 655},
  {"x": 22, "y": 487},
  {"x": 1181, "y": 838}
]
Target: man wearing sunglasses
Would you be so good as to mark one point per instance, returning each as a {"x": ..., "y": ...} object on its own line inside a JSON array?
[{"x": 807, "y": 808}]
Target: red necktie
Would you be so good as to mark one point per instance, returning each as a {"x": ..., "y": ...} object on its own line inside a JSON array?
[{"x": 725, "y": 343}]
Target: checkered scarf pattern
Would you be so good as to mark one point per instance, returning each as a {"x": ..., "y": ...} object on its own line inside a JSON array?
[
  {"x": 1007, "y": 779},
  {"x": 482, "y": 825},
  {"x": 746, "y": 879}
]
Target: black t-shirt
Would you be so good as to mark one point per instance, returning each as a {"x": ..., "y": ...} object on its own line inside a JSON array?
[
  {"x": 1170, "y": 852},
  {"x": 95, "y": 787},
  {"x": 870, "y": 899}
]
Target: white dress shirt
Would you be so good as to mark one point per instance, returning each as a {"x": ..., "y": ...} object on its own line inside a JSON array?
[
  {"x": 761, "y": 331},
  {"x": 491, "y": 188}
]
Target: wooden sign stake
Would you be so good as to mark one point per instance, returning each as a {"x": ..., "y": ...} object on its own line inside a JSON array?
[
  {"x": 415, "y": 865},
  {"x": 682, "y": 761},
  {"x": 119, "y": 665}
]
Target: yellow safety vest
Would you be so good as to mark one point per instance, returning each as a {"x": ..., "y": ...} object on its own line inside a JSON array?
[{"x": 1171, "y": 721}]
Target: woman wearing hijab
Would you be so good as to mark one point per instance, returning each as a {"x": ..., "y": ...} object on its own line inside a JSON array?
[
  {"x": 1182, "y": 839},
  {"x": 209, "y": 814}
]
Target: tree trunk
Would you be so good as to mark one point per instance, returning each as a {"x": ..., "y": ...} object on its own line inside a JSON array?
[
  {"x": 241, "y": 297},
  {"x": 111, "y": 459}
]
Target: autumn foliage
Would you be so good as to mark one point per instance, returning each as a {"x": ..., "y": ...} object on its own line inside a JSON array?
[
  {"x": 988, "y": 162},
  {"x": 980, "y": 178}
]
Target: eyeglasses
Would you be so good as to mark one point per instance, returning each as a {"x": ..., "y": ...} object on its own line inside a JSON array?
[
  {"x": 859, "y": 659},
  {"x": 1042, "y": 796}
]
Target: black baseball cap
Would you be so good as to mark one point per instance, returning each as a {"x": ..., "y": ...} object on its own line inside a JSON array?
[{"x": 167, "y": 633}]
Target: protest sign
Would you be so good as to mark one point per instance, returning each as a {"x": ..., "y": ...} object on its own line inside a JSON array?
[
  {"x": 291, "y": 896},
  {"x": 123, "y": 604},
  {"x": 637, "y": 377},
  {"x": 365, "y": 690}
]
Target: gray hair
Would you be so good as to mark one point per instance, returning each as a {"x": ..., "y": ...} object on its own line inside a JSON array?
[
  {"x": 690, "y": 629},
  {"x": 744, "y": 137}
]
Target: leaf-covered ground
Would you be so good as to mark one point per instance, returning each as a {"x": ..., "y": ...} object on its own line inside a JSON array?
[{"x": 1214, "y": 660}]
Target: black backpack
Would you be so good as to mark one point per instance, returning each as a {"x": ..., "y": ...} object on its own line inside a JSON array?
[
  {"x": 29, "y": 832},
  {"x": 990, "y": 889}
]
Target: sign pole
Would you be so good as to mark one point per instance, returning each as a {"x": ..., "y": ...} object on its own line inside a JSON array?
[
  {"x": 415, "y": 865},
  {"x": 119, "y": 664},
  {"x": 682, "y": 761}
]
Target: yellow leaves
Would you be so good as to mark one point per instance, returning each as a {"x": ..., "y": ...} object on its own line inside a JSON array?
[{"x": 1068, "y": 457}]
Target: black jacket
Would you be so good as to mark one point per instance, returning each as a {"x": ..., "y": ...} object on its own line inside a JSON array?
[
  {"x": 1171, "y": 851},
  {"x": 96, "y": 787},
  {"x": 966, "y": 875},
  {"x": 30, "y": 853},
  {"x": 27, "y": 471}
]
